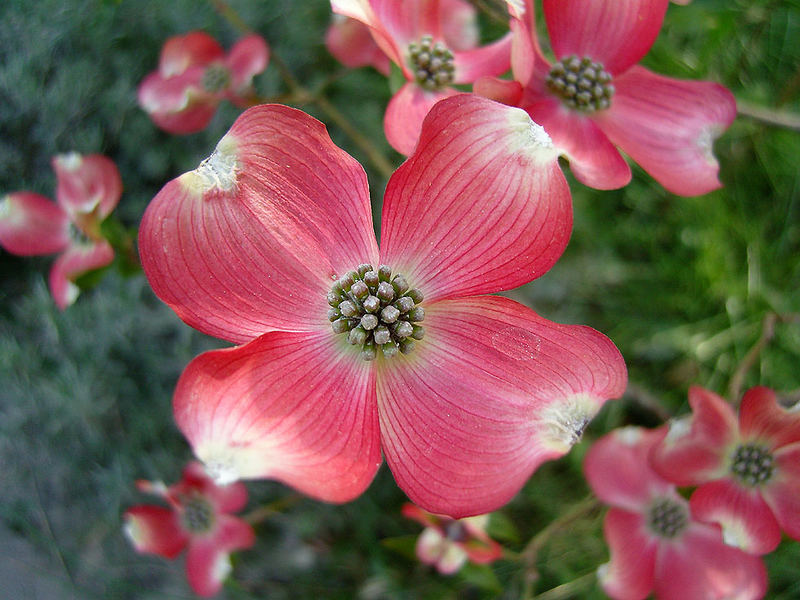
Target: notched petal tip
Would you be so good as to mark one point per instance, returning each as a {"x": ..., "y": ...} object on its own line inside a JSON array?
[
  {"x": 529, "y": 137},
  {"x": 564, "y": 422},
  {"x": 70, "y": 161},
  {"x": 217, "y": 172},
  {"x": 221, "y": 467}
]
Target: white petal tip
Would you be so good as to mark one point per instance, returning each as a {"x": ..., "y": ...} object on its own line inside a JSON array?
[
  {"x": 71, "y": 161},
  {"x": 565, "y": 421},
  {"x": 217, "y": 172},
  {"x": 221, "y": 471}
]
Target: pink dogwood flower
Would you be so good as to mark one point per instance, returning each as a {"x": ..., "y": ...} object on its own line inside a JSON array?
[
  {"x": 435, "y": 45},
  {"x": 448, "y": 544},
  {"x": 747, "y": 469},
  {"x": 657, "y": 544},
  {"x": 199, "y": 519},
  {"x": 269, "y": 244},
  {"x": 194, "y": 75},
  {"x": 88, "y": 189},
  {"x": 594, "y": 98}
]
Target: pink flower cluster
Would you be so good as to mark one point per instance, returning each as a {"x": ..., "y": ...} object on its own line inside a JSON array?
[{"x": 747, "y": 477}]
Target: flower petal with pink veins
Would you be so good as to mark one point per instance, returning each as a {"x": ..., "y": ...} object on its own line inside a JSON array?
[
  {"x": 74, "y": 262},
  {"x": 178, "y": 104},
  {"x": 629, "y": 573},
  {"x": 491, "y": 392},
  {"x": 782, "y": 494},
  {"x": 87, "y": 184},
  {"x": 762, "y": 418},
  {"x": 499, "y": 90},
  {"x": 616, "y": 33},
  {"x": 31, "y": 224},
  {"x": 593, "y": 159},
  {"x": 616, "y": 468},
  {"x": 481, "y": 206},
  {"x": 181, "y": 52},
  {"x": 668, "y": 126},
  {"x": 253, "y": 238},
  {"x": 491, "y": 59},
  {"x": 207, "y": 566},
  {"x": 701, "y": 567},
  {"x": 405, "y": 113},
  {"x": 247, "y": 57},
  {"x": 294, "y": 407},
  {"x": 694, "y": 450},
  {"x": 155, "y": 530},
  {"x": 351, "y": 43},
  {"x": 746, "y": 520}
]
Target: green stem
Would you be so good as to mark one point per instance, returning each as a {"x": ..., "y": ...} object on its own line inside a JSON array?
[
  {"x": 263, "y": 512},
  {"x": 777, "y": 118},
  {"x": 569, "y": 589},
  {"x": 231, "y": 16}
]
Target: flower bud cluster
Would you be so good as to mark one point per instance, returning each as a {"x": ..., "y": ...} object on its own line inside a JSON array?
[
  {"x": 432, "y": 64},
  {"x": 581, "y": 83}
]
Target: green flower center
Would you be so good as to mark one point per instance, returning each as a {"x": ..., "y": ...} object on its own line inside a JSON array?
[
  {"x": 198, "y": 514},
  {"x": 752, "y": 464},
  {"x": 667, "y": 518},
  {"x": 216, "y": 78},
  {"x": 432, "y": 64},
  {"x": 581, "y": 83},
  {"x": 377, "y": 311}
]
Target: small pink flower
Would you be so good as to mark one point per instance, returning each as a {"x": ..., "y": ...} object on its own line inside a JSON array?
[
  {"x": 194, "y": 75},
  {"x": 657, "y": 544},
  {"x": 435, "y": 44},
  {"x": 347, "y": 350},
  {"x": 595, "y": 98},
  {"x": 198, "y": 518},
  {"x": 88, "y": 189},
  {"x": 748, "y": 469},
  {"x": 447, "y": 543}
]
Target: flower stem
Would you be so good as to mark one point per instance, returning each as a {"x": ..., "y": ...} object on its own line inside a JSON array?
[
  {"x": 263, "y": 512},
  {"x": 569, "y": 589},
  {"x": 778, "y": 118}
]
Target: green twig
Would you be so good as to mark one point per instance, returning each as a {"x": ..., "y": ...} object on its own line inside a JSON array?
[
  {"x": 569, "y": 589},
  {"x": 263, "y": 512},
  {"x": 777, "y": 118}
]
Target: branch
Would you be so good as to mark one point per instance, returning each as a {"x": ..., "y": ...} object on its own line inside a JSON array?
[{"x": 777, "y": 118}]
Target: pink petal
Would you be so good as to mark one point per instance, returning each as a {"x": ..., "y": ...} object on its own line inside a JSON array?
[
  {"x": 481, "y": 206},
  {"x": 762, "y": 418},
  {"x": 499, "y": 90},
  {"x": 288, "y": 406},
  {"x": 616, "y": 468},
  {"x": 226, "y": 498},
  {"x": 184, "y": 51},
  {"x": 668, "y": 126},
  {"x": 74, "y": 262},
  {"x": 155, "y": 530},
  {"x": 31, "y": 224},
  {"x": 695, "y": 450},
  {"x": 459, "y": 23},
  {"x": 207, "y": 566},
  {"x": 254, "y": 237},
  {"x": 592, "y": 157},
  {"x": 701, "y": 567},
  {"x": 87, "y": 184},
  {"x": 491, "y": 392},
  {"x": 351, "y": 43},
  {"x": 783, "y": 493},
  {"x": 629, "y": 574},
  {"x": 616, "y": 33},
  {"x": 232, "y": 534},
  {"x": 248, "y": 57},
  {"x": 178, "y": 104},
  {"x": 402, "y": 121},
  {"x": 528, "y": 64},
  {"x": 746, "y": 520},
  {"x": 491, "y": 59}
]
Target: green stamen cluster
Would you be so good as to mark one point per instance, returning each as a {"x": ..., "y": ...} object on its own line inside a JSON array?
[
  {"x": 581, "y": 83},
  {"x": 216, "y": 78},
  {"x": 432, "y": 64},
  {"x": 377, "y": 311},
  {"x": 752, "y": 464},
  {"x": 198, "y": 514},
  {"x": 667, "y": 517}
]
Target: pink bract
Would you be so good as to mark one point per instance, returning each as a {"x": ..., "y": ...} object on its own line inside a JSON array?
[
  {"x": 397, "y": 27},
  {"x": 194, "y": 75},
  {"x": 251, "y": 247},
  {"x": 747, "y": 469},
  {"x": 666, "y": 125},
  {"x": 88, "y": 189},
  {"x": 447, "y": 543},
  {"x": 657, "y": 544},
  {"x": 199, "y": 520}
]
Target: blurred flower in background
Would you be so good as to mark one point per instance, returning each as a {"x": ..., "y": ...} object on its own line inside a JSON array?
[
  {"x": 747, "y": 468},
  {"x": 447, "y": 543},
  {"x": 657, "y": 544},
  {"x": 88, "y": 189},
  {"x": 198, "y": 518},
  {"x": 194, "y": 75}
]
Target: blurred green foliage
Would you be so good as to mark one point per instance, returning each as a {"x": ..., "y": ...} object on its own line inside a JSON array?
[{"x": 682, "y": 285}]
